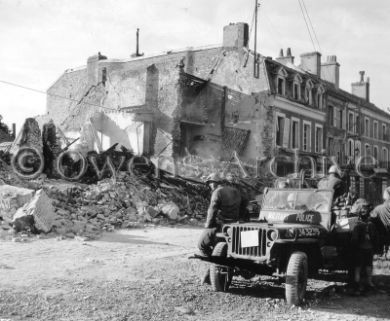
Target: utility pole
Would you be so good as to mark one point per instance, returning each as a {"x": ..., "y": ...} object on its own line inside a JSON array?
[{"x": 255, "y": 62}]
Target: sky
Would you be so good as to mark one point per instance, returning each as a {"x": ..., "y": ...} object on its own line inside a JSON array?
[{"x": 40, "y": 39}]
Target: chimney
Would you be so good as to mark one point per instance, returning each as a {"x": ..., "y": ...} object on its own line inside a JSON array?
[
  {"x": 330, "y": 70},
  {"x": 311, "y": 62},
  {"x": 236, "y": 35},
  {"x": 93, "y": 69},
  {"x": 137, "y": 53},
  {"x": 285, "y": 60},
  {"x": 362, "y": 88}
]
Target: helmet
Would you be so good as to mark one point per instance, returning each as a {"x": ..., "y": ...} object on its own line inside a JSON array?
[
  {"x": 231, "y": 178},
  {"x": 213, "y": 178},
  {"x": 360, "y": 207},
  {"x": 334, "y": 170}
]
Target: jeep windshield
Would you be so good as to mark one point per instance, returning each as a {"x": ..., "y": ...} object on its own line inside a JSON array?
[{"x": 307, "y": 206}]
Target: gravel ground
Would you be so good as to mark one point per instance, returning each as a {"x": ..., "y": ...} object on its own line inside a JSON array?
[{"x": 146, "y": 275}]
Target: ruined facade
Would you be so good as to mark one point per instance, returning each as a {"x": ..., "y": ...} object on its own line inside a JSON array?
[
  {"x": 207, "y": 99},
  {"x": 220, "y": 100}
]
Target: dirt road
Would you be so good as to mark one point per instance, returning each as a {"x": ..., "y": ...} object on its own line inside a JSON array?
[{"x": 146, "y": 275}]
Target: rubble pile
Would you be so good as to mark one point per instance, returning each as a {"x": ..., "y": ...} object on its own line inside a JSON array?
[{"x": 87, "y": 210}]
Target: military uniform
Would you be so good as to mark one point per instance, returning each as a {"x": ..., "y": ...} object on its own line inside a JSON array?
[
  {"x": 332, "y": 182},
  {"x": 226, "y": 204}
]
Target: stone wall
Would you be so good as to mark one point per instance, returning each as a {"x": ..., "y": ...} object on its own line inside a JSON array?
[{"x": 64, "y": 94}]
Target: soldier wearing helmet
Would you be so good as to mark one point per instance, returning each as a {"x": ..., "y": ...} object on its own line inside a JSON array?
[
  {"x": 226, "y": 204},
  {"x": 333, "y": 182}
]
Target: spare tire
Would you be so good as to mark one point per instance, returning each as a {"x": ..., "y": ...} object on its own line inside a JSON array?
[{"x": 296, "y": 278}]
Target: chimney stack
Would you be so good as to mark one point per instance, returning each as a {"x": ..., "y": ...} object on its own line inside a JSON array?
[
  {"x": 362, "y": 88},
  {"x": 287, "y": 59},
  {"x": 330, "y": 70},
  {"x": 137, "y": 53},
  {"x": 311, "y": 62},
  {"x": 236, "y": 35},
  {"x": 93, "y": 69}
]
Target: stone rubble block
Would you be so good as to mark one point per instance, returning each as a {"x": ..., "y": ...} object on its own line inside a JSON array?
[
  {"x": 12, "y": 198},
  {"x": 41, "y": 208}
]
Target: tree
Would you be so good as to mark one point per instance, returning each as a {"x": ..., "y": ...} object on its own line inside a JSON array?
[{"x": 4, "y": 127}]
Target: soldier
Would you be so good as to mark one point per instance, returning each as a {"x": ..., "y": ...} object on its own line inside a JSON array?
[
  {"x": 381, "y": 217},
  {"x": 333, "y": 182},
  {"x": 225, "y": 205},
  {"x": 364, "y": 241}
]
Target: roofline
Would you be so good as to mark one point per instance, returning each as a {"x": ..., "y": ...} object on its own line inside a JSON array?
[{"x": 330, "y": 87}]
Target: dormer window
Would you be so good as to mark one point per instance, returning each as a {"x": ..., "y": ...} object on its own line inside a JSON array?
[
  {"x": 320, "y": 97},
  {"x": 281, "y": 82},
  {"x": 297, "y": 87},
  {"x": 281, "y": 85},
  {"x": 309, "y": 92}
]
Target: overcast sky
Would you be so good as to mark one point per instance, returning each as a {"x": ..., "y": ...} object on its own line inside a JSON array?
[{"x": 39, "y": 39}]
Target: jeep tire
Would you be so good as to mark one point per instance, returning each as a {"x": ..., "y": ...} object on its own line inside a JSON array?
[
  {"x": 296, "y": 278},
  {"x": 220, "y": 276}
]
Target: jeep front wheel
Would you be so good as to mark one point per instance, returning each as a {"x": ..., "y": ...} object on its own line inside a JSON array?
[
  {"x": 296, "y": 278},
  {"x": 220, "y": 276}
]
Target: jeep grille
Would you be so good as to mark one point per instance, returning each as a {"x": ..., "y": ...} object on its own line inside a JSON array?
[{"x": 248, "y": 251}]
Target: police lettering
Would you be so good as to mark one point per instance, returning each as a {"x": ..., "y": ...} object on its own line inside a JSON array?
[{"x": 305, "y": 218}]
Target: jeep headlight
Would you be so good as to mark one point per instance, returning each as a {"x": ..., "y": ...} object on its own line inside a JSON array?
[
  {"x": 227, "y": 230},
  {"x": 272, "y": 235}
]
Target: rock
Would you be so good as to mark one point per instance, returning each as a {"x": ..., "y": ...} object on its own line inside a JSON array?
[
  {"x": 152, "y": 211},
  {"x": 12, "y": 198},
  {"x": 101, "y": 217},
  {"x": 185, "y": 310},
  {"x": 41, "y": 208},
  {"x": 170, "y": 209}
]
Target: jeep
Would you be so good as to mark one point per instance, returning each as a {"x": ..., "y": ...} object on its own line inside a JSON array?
[{"x": 295, "y": 235}]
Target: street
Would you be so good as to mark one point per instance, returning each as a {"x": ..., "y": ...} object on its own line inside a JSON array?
[{"x": 145, "y": 274}]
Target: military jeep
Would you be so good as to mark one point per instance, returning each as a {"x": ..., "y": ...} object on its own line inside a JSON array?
[{"x": 296, "y": 234}]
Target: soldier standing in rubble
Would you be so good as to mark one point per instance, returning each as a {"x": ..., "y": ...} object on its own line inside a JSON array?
[
  {"x": 226, "y": 204},
  {"x": 333, "y": 182}
]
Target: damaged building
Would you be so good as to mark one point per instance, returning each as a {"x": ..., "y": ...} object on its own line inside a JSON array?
[
  {"x": 206, "y": 101},
  {"x": 215, "y": 101}
]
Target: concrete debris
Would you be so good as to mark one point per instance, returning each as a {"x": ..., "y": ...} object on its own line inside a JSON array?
[
  {"x": 51, "y": 146},
  {"x": 87, "y": 210},
  {"x": 12, "y": 198},
  {"x": 30, "y": 136},
  {"x": 41, "y": 209},
  {"x": 171, "y": 210}
]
